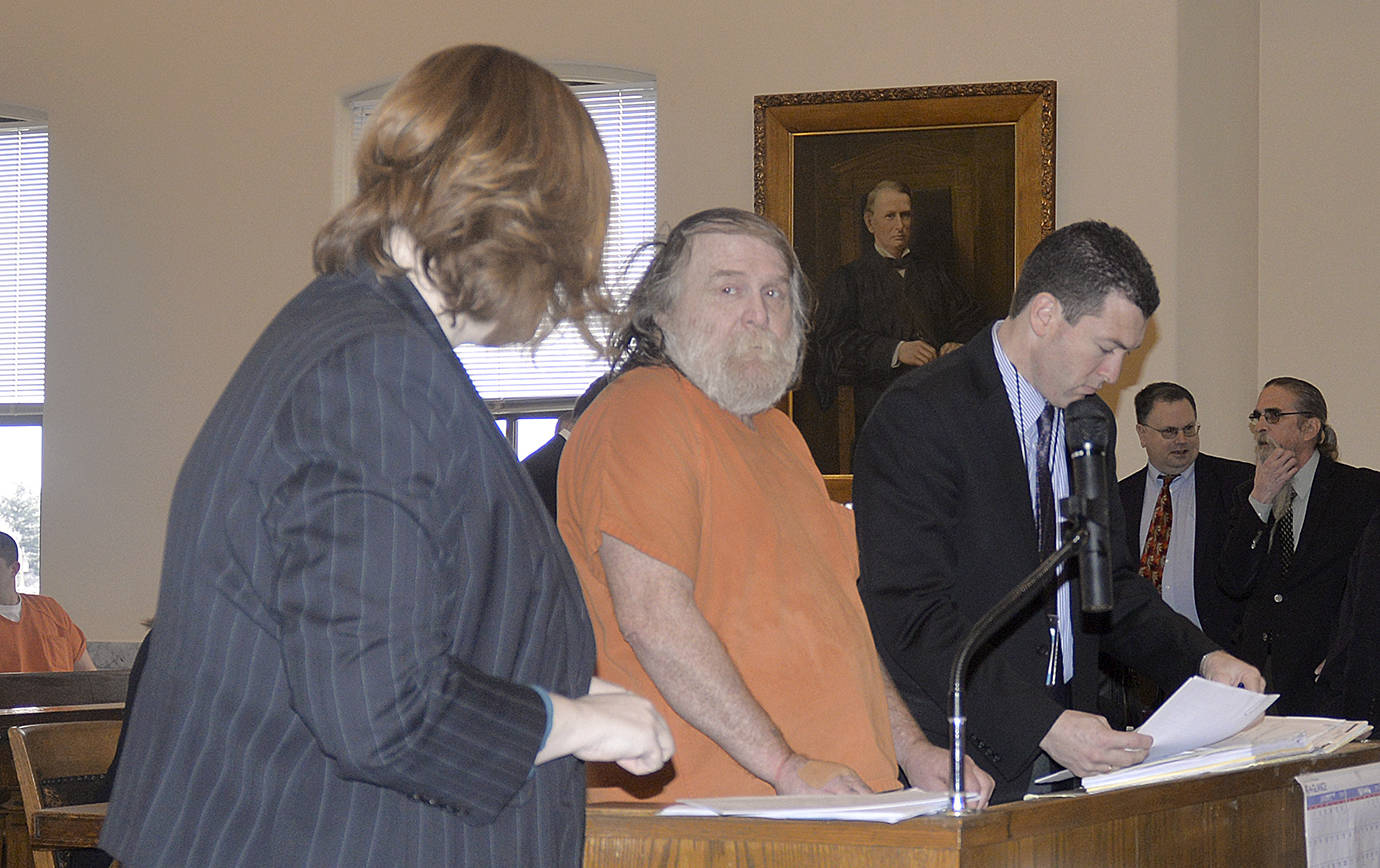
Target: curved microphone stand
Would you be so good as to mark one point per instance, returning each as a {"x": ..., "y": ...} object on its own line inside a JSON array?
[{"x": 1077, "y": 537}]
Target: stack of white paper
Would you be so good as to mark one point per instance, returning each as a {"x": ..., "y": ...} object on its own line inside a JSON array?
[
  {"x": 1272, "y": 738},
  {"x": 878, "y": 807},
  {"x": 1210, "y": 727}
]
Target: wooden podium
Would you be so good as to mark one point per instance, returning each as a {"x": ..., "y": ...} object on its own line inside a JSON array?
[{"x": 1252, "y": 817}]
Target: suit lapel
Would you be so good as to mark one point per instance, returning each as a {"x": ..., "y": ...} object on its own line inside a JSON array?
[
  {"x": 1315, "y": 521},
  {"x": 1131, "y": 490},
  {"x": 999, "y": 440},
  {"x": 1205, "y": 488}
]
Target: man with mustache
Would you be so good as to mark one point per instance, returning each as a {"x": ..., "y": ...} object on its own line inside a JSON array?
[
  {"x": 958, "y": 478},
  {"x": 890, "y": 310},
  {"x": 720, "y": 578},
  {"x": 1292, "y": 535}
]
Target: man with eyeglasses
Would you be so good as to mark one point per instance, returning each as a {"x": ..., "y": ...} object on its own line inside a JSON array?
[
  {"x": 1181, "y": 559},
  {"x": 1177, "y": 508},
  {"x": 1291, "y": 538}
]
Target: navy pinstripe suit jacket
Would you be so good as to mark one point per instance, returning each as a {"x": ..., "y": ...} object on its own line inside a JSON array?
[{"x": 359, "y": 581}]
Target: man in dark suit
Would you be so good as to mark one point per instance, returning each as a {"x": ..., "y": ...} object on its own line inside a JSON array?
[
  {"x": 1349, "y": 685},
  {"x": 543, "y": 464},
  {"x": 1201, "y": 492},
  {"x": 1176, "y": 524},
  {"x": 888, "y": 311},
  {"x": 958, "y": 474},
  {"x": 1291, "y": 537},
  {"x": 372, "y": 648}
]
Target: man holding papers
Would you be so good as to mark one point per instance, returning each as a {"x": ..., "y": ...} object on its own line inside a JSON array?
[{"x": 959, "y": 468}]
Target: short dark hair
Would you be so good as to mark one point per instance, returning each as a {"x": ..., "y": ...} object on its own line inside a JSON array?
[
  {"x": 1147, "y": 398},
  {"x": 639, "y": 340},
  {"x": 1081, "y": 264},
  {"x": 9, "y": 549},
  {"x": 1311, "y": 403}
]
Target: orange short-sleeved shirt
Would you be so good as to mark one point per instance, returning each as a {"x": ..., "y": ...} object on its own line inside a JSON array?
[
  {"x": 44, "y": 640},
  {"x": 743, "y": 512}
]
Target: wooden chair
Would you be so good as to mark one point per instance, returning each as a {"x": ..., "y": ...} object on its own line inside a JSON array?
[{"x": 62, "y": 764}]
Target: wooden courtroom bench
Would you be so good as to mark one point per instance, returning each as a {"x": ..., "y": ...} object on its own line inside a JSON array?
[
  {"x": 46, "y": 697},
  {"x": 27, "y": 689}
]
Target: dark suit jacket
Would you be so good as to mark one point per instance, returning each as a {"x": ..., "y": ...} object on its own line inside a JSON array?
[
  {"x": 542, "y": 466},
  {"x": 1215, "y": 483},
  {"x": 945, "y": 529},
  {"x": 1350, "y": 683},
  {"x": 359, "y": 581},
  {"x": 1293, "y": 619}
]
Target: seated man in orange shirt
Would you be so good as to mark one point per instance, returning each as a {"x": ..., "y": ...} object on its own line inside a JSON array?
[
  {"x": 720, "y": 578},
  {"x": 36, "y": 635}
]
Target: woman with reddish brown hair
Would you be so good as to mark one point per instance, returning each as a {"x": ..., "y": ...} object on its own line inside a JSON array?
[{"x": 373, "y": 649}]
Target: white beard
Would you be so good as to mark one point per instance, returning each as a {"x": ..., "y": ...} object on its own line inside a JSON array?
[{"x": 745, "y": 373}]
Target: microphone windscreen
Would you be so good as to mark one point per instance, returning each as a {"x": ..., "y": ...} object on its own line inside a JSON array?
[{"x": 1088, "y": 421}]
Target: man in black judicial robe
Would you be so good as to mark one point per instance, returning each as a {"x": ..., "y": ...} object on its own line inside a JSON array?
[{"x": 890, "y": 310}]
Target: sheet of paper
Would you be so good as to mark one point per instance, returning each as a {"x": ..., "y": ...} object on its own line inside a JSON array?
[
  {"x": 1341, "y": 816},
  {"x": 1202, "y": 712},
  {"x": 877, "y": 807},
  {"x": 1199, "y": 713}
]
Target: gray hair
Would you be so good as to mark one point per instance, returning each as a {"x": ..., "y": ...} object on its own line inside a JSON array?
[
  {"x": 893, "y": 186},
  {"x": 1311, "y": 403},
  {"x": 639, "y": 340}
]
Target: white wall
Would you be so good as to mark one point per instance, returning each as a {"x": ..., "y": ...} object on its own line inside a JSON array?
[
  {"x": 1318, "y": 312},
  {"x": 191, "y": 166}
]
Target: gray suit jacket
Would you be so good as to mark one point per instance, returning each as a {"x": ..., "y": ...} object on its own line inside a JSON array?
[{"x": 359, "y": 582}]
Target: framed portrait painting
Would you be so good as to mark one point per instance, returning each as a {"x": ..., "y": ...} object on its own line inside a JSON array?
[{"x": 975, "y": 165}]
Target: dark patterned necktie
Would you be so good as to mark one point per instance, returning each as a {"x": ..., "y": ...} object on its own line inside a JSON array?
[
  {"x": 1157, "y": 538},
  {"x": 1044, "y": 483},
  {"x": 1284, "y": 535}
]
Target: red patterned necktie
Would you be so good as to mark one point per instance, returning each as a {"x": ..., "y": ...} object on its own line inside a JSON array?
[{"x": 1157, "y": 539}]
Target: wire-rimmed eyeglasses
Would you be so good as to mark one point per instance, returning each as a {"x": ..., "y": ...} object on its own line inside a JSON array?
[
  {"x": 1172, "y": 433},
  {"x": 1273, "y": 414}
]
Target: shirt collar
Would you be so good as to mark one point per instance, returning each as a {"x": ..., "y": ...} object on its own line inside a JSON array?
[
  {"x": 1303, "y": 480},
  {"x": 887, "y": 256},
  {"x": 1026, "y": 401},
  {"x": 1154, "y": 475}
]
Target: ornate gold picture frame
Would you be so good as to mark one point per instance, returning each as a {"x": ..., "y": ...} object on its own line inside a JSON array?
[{"x": 980, "y": 156}]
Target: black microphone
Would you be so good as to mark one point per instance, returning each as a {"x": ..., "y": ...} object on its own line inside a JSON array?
[{"x": 1088, "y": 425}]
